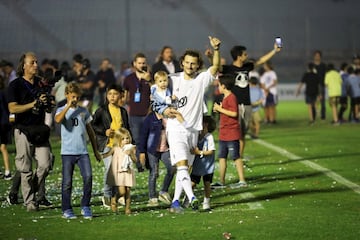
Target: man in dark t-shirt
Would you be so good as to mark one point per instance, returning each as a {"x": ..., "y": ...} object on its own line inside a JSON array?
[
  {"x": 312, "y": 81},
  {"x": 240, "y": 68},
  {"x": 137, "y": 92}
]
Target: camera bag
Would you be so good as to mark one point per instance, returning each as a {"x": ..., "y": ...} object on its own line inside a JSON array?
[{"x": 36, "y": 134}]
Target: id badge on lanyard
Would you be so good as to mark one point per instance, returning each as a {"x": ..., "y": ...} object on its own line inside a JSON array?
[{"x": 137, "y": 96}]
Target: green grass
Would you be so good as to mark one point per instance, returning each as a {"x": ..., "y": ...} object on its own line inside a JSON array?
[{"x": 285, "y": 199}]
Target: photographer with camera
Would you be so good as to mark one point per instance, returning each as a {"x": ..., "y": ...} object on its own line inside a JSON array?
[{"x": 29, "y": 99}]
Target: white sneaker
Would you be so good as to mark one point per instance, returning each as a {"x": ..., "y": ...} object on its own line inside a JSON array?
[
  {"x": 165, "y": 197},
  {"x": 206, "y": 206},
  {"x": 239, "y": 184},
  {"x": 153, "y": 202}
]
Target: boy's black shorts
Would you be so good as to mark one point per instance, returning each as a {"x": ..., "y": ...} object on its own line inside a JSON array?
[{"x": 206, "y": 178}]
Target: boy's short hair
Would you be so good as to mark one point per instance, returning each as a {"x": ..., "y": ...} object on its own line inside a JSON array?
[
  {"x": 211, "y": 124},
  {"x": 73, "y": 87},
  {"x": 160, "y": 74},
  {"x": 228, "y": 80},
  {"x": 254, "y": 80}
]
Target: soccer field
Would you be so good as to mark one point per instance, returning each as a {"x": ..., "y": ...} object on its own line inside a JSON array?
[{"x": 303, "y": 184}]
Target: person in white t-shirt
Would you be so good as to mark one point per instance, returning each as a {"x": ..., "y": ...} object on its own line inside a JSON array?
[
  {"x": 185, "y": 121},
  {"x": 268, "y": 81}
]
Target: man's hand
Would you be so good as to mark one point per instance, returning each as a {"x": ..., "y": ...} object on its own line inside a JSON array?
[
  {"x": 215, "y": 43},
  {"x": 170, "y": 112}
]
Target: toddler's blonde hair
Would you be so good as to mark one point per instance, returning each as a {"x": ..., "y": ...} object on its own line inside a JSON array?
[{"x": 120, "y": 135}]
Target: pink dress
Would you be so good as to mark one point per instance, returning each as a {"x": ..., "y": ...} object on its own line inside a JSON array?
[{"x": 118, "y": 175}]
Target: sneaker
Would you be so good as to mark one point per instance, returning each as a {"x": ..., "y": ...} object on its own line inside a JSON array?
[
  {"x": 12, "y": 199},
  {"x": 176, "y": 208},
  {"x": 194, "y": 203},
  {"x": 86, "y": 212},
  {"x": 185, "y": 202},
  {"x": 165, "y": 197},
  {"x": 106, "y": 201},
  {"x": 32, "y": 207},
  {"x": 44, "y": 203},
  {"x": 206, "y": 206},
  {"x": 69, "y": 214},
  {"x": 217, "y": 185},
  {"x": 153, "y": 202},
  {"x": 8, "y": 177},
  {"x": 239, "y": 184}
]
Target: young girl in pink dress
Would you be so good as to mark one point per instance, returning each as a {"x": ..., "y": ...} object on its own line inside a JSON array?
[{"x": 121, "y": 173}]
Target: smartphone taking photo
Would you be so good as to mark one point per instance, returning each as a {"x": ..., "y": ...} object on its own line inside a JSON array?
[{"x": 278, "y": 42}]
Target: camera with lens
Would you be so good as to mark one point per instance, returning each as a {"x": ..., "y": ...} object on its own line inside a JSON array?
[{"x": 46, "y": 83}]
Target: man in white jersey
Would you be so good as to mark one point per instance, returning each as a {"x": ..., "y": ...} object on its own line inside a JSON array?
[{"x": 185, "y": 121}]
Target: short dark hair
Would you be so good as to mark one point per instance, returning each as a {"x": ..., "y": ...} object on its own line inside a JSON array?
[
  {"x": 237, "y": 51},
  {"x": 139, "y": 55},
  {"x": 228, "y": 80},
  {"x": 211, "y": 124},
  {"x": 78, "y": 58}
]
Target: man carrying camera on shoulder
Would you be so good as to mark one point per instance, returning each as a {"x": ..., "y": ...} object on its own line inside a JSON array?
[{"x": 29, "y": 102}]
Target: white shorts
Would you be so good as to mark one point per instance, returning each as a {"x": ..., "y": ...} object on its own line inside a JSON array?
[{"x": 180, "y": 143}]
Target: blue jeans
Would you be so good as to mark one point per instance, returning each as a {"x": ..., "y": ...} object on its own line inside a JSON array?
[
  {"x": 153, "y": 175},
  {"x": 136, "y": 123},
  {"x": 68, "y": 164}
]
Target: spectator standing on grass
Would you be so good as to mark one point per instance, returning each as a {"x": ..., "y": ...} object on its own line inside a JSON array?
[
  {"x": 121, "y": 173},
  {"x": 204, "y": 162},
  {"x": 75, "y": 123},
  {"x": 268, "y": 82},
  {"x": 137, "y": 91},
  {"x": 320, "y": 71},
  {"x": 333, "y": 83},
  {"x": 344, "y": 92},
  {"x": 86, "y": 81},
  {"x": 104, "y": 78},
  {"x": 311, "y": 80},
  {"x": 154, "y": 146},
  {"x": 166, "y": 62},
  {"x": 184, "y": 124},
  {"x": 30, "y": 133},
  {"x": 5, "y": 130},
  {"x": 229, "y": 132},
  {"x": 353, "y": 86},
  {"x": 257, "y": 99},
  {"x": 107, "y": 119},
  {"x": 240, "y": 68}
]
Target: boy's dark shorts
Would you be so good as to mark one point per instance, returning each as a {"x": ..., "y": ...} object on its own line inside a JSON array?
[
  {"x": 310, "y": 99},
  {"x": 206, "y": 178},
  {"x": 229, "y": 147}
]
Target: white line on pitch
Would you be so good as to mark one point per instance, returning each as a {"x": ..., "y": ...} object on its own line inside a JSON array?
[{"x": 326, "y": 171}]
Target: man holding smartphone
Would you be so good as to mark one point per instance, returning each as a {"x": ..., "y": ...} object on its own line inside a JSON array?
[
  {"x": 240, "y": 68},
  {"x": 137, "y": 92}
]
